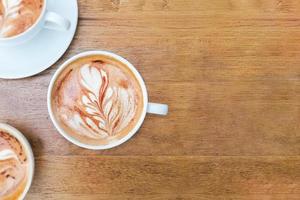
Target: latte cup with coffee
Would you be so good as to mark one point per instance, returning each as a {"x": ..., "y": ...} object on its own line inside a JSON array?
[
  {"x": 98, "y": 100},
  {"x": 21, "y": 20},
  {"x": 16, "y": 164}
]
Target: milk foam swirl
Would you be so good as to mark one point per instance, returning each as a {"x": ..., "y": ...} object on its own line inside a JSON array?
[
  {"x": 18, "y": 15},
  {"x": 97, "y": 101},
  {"x": 103, "y": 110},
  {"x": 13, "y": 166}
]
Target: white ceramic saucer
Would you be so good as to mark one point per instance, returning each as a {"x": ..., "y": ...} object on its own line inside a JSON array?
[{"x": 44, "y": 49}]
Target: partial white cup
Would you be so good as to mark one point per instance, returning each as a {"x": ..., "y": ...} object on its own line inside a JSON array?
[
  {"x": 154, "y": 108},
  {"x": 47, "y": 19},
  {"x": 21, "y": 138}
]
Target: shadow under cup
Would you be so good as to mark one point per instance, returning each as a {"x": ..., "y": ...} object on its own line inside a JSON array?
[{"x": 97, "y": 100}]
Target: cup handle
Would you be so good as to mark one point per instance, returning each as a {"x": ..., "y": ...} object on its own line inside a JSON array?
[
  {"x": 54, "y": 21},
  {"x": 157, "y": 108}
]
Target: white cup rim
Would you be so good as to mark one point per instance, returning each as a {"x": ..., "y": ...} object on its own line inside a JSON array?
[
  {"x": 30, "y": 28},
  {"x": 21, "y": 138},
  {"x": 132, "y": 69}
]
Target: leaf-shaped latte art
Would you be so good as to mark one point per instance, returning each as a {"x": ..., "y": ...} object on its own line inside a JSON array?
[
  {"x": 104, "y": 110},
  {"x": 10, "y": 11}
]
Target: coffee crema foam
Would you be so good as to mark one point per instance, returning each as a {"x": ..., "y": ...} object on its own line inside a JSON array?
[
  {"x": 97, "y": 100},
  {"x": 13, "y": 167},
  {"x": 16, "y": 16}
]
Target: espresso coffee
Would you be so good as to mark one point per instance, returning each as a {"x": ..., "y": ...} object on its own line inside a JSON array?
[
  {"x": 14, "y": 167},
  {"x": 16, "y": 16},
  {"x": 97, "y": 100}
]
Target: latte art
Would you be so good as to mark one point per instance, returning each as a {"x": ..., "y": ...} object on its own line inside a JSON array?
[
  {"x": 104, "y": 110},
  {"x": 16, "y": 16},
  {"x": 97, "y": 100},
  {"x": 13, "y": 167}
]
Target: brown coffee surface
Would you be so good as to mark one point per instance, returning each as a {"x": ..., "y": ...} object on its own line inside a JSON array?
[
  {"x": 97, "y": 100},
  {"x": 16, "y": 16},
  {"x": 13, "y": 167}
]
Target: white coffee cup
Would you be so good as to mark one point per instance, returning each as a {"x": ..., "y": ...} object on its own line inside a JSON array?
[
  {"x": 21, "y": 138},
  {"x": 47, "y": 19},
  {"x": 154, "y": 108}
]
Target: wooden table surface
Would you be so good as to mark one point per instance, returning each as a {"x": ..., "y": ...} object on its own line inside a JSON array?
[{"x": 230, "y": 72}]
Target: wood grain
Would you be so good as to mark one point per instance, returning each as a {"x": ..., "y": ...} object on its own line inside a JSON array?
[
  {"x": 229, "y": 71},
  {"x": 154, "y": 175}
]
